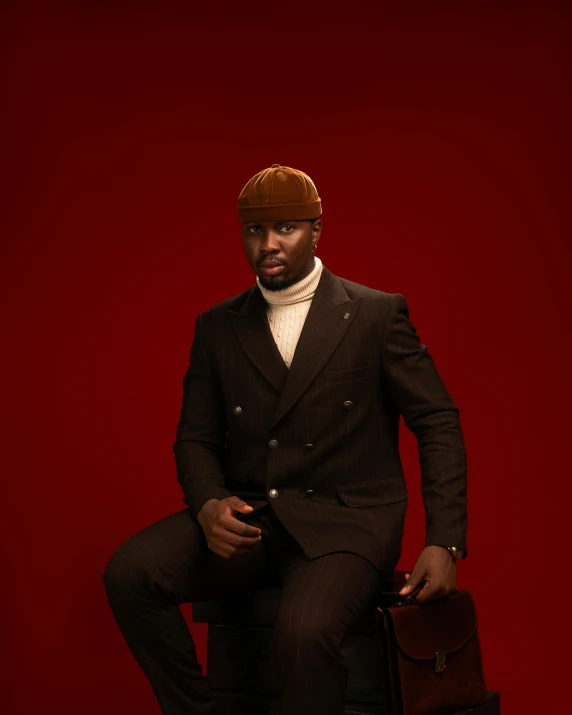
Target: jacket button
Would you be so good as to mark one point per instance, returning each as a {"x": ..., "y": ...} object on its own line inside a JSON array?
[
  {"x": 237, "y": 410},
  {"x": 273, "y": 443},
  {"x": 348, "y": 404},
  {"x": 273, "y": 493},
  {"x": 309, "y": 446},
  {"x": 310, "y": 492}
]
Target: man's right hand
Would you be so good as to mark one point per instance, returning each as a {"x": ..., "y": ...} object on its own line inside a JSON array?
[{"x": 227, "y": 536}]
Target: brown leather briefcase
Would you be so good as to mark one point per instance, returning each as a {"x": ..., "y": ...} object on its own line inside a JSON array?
[{"x": 433, "y": 655}]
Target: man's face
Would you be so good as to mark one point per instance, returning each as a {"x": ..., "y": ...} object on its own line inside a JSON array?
[{"x": 280, "y": 252}]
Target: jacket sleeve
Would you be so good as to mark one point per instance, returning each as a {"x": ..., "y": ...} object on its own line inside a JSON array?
[
  {"x": 419, "y": 394},
  {"x": 201, "y": 432}
]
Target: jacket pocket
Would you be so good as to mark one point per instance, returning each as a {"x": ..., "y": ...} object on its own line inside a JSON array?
[{"x": 383, "y": 490}]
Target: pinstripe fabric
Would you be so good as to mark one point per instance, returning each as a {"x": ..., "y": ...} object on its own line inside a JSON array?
[
  {"x": 328, "y": 424},
  {"x": 168, "y": 563},
  {"x": 358, "y": 365},
  {"x": 321, "y": 598}
]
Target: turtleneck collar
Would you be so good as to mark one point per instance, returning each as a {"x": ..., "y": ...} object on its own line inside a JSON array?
[{"x": 296, "y": 293}]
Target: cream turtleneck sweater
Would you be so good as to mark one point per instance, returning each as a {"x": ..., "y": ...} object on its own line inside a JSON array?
[{"x": 287, "y": 310}]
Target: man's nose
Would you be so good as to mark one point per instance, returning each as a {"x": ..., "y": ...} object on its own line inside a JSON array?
[{"x": 269, "y": 242}]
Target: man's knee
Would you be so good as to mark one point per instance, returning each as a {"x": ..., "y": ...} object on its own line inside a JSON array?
[
  {"x": 151, "y": 559},
  {"x": 127, "y": 571}
]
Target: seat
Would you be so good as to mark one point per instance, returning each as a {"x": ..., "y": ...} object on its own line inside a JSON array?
[{"x": 240, "y": 672}]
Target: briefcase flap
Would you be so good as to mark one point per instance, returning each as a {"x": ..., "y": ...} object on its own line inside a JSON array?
[{"x": 443, "y": 624}]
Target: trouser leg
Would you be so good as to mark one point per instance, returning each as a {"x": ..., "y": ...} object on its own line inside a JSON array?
[
  {"x": 149, "y": 575},
  {"x": 321, "y": 598}
]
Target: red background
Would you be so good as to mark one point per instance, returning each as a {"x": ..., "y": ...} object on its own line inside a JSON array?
[{"x": 438, "y": 138}]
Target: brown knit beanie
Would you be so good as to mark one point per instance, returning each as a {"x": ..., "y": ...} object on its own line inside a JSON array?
[{"x": 279, "y": 193}]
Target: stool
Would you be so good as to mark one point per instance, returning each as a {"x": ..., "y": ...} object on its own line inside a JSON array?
[{"x": 240, "y": 672}]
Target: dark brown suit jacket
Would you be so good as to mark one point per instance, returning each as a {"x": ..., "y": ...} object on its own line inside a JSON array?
[{"x": 324, "y": 433}]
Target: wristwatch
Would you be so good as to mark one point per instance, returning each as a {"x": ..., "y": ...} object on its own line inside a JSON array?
[{"x": 455, "y": 552}]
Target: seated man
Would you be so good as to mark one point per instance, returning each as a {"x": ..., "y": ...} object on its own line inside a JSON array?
[{"x": 287, "y": 455}]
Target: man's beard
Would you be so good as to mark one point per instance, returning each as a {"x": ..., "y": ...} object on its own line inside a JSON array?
[{"x": 277, "y": 284}]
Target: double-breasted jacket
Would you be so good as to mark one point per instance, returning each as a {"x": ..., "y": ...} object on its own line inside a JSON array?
[{"x": 319, "y": 441}]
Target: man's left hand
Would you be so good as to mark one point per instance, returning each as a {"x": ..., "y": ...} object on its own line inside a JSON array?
[{"x": 437, "y": 567}]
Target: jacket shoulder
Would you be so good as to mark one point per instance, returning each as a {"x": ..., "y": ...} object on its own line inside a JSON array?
[
  {"x": 357, "y": 290},
  {"x": 218, "y": 310}
]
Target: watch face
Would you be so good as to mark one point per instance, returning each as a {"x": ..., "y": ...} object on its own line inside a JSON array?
[{"x": 456, "y": 553}]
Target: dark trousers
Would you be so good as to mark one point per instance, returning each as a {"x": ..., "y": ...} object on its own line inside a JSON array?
[{"x": 169, "y": 563}]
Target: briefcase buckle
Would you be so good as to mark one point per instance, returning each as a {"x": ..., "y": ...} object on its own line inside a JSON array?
[{"x": 440, "y": 662}]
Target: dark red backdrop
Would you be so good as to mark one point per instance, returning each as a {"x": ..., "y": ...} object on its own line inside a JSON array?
[{"x": 439, "y": 143}]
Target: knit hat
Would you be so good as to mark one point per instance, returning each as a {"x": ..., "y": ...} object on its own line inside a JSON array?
[{"x": 279, "y": 193}]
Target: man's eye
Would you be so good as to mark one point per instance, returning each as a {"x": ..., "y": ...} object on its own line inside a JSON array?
[
  {"x": 252, "y": 229},
  {"x": 288, "y": 226}
]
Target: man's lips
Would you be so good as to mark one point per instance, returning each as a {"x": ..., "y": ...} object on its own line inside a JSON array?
[{"x": 271, "y": 268}]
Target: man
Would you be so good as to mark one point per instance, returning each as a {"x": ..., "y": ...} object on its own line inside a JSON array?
[{"x": 287, "y": 454}]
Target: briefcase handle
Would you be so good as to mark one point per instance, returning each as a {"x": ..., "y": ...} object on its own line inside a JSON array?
[{"x": 394, "y": 598}]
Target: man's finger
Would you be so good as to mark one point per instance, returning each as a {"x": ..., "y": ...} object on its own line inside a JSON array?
[
  {"x": 412, "y": 581},
  {"x": 238, "y": 505},
  {"x": 236, "y": 526},
  {"x": 428, "y": 593},
  {"x": 230, "y": 537}
]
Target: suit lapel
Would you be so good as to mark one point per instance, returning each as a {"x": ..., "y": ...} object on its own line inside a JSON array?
[
  {"x": 330, "y": 315},
  {"x": 253, "y": 332}
]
